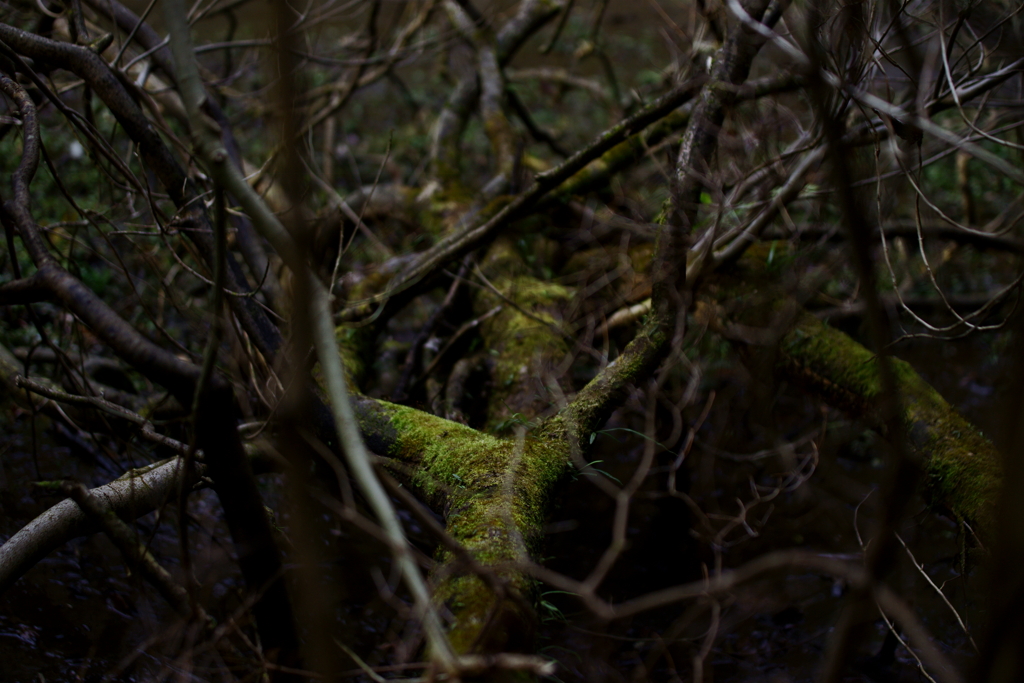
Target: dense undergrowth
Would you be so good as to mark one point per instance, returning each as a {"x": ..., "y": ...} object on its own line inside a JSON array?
[{"x": 581, "y": 380}]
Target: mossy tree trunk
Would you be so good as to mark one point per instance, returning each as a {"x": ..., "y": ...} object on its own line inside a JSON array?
[
  {"x": 493, "y": 484},
  {"x": 961, "y": 466}
]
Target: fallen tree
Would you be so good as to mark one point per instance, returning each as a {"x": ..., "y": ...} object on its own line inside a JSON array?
[{"x": 528, "y": 344}]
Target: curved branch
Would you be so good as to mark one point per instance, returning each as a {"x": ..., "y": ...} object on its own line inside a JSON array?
[
  {"x": 731, "y": 67},
  {"x": 160, "y": 365},
  {"x": 215, "y": 407},
  {"x": 252, "y": 251},
  {"x": 89, "y": 66},
  {"x": 491, "y": 85},
  {"x": 134, "y": 494}
]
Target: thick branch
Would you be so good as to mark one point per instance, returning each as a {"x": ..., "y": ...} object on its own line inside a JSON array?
[
  {"x": 135, "y": 553},
  {"x": 136, "y": 493},
  {"x": 693, "y": 166},
  {"x": 496, "y": 490},
  {"x": 962, "y": 467}
]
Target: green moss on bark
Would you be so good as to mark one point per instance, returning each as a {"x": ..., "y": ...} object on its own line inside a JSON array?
[
  {"x": 524, "y": 337},
  {"x": 494, "y": 492},
  {"x": 961, "y": 465},
  {"x": 962, "y": 468}
]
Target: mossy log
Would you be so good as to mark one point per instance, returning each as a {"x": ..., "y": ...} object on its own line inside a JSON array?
[
  {"x": 494, "y": 494},
  {"x": 524, "y": 338},
  {"x": 961, "y": 466},
  {"x": 493, "y": 489}
]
